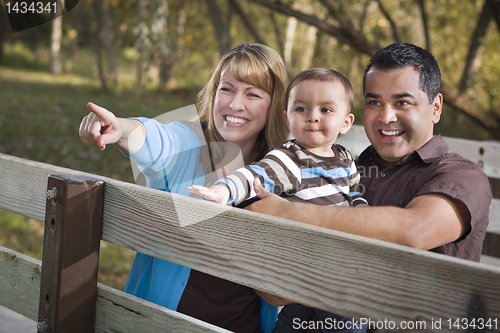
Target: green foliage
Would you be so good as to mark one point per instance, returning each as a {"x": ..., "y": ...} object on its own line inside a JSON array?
[
  {"x": 21, "y": 234},
  {"x": 17, "y": 55},
  {"x": 489, "y": 93},
  {"x": 39, "y": 120},
  {"x": 25, "y": 235}
]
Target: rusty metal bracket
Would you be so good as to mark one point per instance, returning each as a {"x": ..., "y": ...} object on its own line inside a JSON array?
[{"x": 70, "y": 254}]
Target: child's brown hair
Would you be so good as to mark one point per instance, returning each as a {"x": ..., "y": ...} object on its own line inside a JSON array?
[{"x": 323, "y": 75}]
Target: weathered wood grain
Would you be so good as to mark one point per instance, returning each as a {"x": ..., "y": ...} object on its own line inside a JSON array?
[
  {"x": 342, "y": 273},
  {"x": 494, "y": 226},
  {"x": 121, "y": 312},
  {"x": 19, "y": 282},
  {"x": 116, "y": 311}
]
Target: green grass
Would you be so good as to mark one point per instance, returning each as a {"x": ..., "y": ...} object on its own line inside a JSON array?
[
  {"x": 40, "y": 115},
  {"x": 25, "y": 235}
]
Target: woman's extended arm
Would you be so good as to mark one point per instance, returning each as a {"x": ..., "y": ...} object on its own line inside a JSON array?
[{"x": 101, "y": 127}]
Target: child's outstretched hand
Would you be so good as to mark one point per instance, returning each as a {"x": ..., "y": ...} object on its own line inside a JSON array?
[{"x": 219, "y": 193}]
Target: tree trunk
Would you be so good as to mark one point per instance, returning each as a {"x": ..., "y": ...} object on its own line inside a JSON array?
[
  {"x": 221, "y": 29},
  {"x": 3, "y": 29},
  {"x": 165, "y": 60},
  {"x": 362, "y": 19},
  {"x": 495, "y": 9},
  {"x": 319, "y": 50},
  {"x": 248, "y": 24},
  {"x": 178, "y": 44},
  {"x": 308, "y": 54},
  {"x": 55, "y": 45},
  {"x": 476, "y": 48},
  {"x": 140, "y": 61},
  {"x": 163, "y": 73},
  {"x": 2, "y": 33},
  {"x": 107, "y": 39},
  {"x": 291, "y": 26},
  {"x": 394, "y": 28},
  {"x": 139, "y": 70},
  {"x": 425, "y": 25},
  {"x": 97, "y": 46},
  {"x": 68, "y": 66},
  {"x": 279, "y": 37}
]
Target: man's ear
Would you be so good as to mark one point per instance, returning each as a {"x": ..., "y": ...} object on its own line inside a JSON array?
[
  {"x": 349, "y": 120},
  {"x": 437, "y": 108}
]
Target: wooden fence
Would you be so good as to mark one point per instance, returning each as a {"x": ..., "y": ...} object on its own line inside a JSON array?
[{"x": 381, "y": 283}]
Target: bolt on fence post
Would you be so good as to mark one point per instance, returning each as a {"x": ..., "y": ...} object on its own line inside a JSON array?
[{"x": 70, "y": 254}]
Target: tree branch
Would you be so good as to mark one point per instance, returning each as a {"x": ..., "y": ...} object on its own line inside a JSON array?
[
  {"x": 391, "y": 21},
  {"x": 336, "y": 15},
  {"x": 279, "y": 35},
  {"x": 476, "y": 47},
  {"x": 364, "y": 13},
  {"x": 489, "y": 120},
  {"x": 425, "y": 24},
  {"x": 345, "y": 35},
  {"x": 250, "y": 27},
  {"x": 495, "y": 9},
  {"x": 221, "y": 29}
]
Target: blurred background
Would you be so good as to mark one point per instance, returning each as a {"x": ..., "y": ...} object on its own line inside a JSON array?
[{"x": 146, "y": 57}]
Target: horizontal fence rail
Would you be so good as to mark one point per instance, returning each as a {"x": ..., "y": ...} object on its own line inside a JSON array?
[
  {"x": 116, "y": 311},
  {"x": 342, "y": 273},
  {"x": 485, "y": 153}
]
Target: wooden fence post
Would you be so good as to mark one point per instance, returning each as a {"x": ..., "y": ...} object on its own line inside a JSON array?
[{"x": 70, "y": 254}]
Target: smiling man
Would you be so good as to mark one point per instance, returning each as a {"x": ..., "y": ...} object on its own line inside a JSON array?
[
  {"x": 437, "y": 193},
  {"x": 421, "y": 195}
]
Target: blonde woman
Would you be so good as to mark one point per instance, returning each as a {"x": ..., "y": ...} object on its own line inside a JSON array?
[{"x": 242, "y": 104}]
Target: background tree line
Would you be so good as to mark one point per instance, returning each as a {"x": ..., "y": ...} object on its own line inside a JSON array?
[{"x": 175, "y": 43}]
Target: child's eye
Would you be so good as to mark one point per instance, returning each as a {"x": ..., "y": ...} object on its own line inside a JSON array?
[
  {"x": 300, "y": 109},
  {"x": 326, "y": 110}
]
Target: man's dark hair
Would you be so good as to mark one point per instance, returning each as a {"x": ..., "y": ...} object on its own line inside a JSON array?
[{"x": 400, "y": 55}]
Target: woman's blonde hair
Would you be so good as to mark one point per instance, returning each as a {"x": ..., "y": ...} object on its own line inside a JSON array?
[{"x": 262, "y": 67}]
